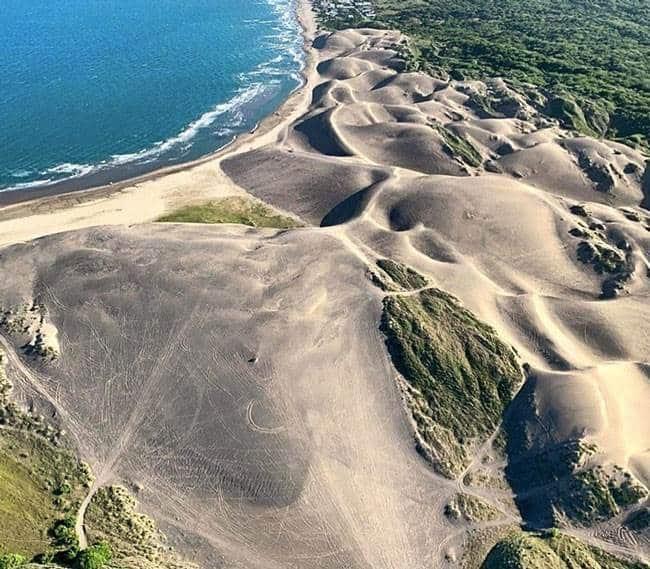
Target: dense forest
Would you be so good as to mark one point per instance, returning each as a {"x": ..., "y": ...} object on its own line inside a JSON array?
[{"x": 590, "y": 58}]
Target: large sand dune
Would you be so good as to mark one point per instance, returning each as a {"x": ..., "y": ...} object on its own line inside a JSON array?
[
  {"x": 516, "y": 217},
  {"x": 237, "y": 379}
]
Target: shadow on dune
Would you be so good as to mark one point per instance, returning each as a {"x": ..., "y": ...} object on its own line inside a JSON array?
[
  {"x": 349, "y": 208},
  {"x": 320, "y": 135},
  {"x": 645, "y": 187},
  {"x": 524, "y": 479},
  {"x": 320, "y": 42}
]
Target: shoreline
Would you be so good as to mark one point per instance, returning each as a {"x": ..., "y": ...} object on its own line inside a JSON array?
[{"x": 25, "y": 202}]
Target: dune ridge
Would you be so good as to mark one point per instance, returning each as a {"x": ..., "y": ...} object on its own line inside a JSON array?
[
  {"x": 540, "y": 232},
  {"x": 238, "y": 378}
]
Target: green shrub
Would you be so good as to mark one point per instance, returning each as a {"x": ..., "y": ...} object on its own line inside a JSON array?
[
  {"x": 11, "y": 560},
  {"x": 63, "y": 533},
  {"x": 456, "y": 367},
  {"x": 95, "y": 557}
]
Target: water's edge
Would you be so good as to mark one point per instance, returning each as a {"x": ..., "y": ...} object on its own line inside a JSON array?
[{"x": 150, "y": 162}]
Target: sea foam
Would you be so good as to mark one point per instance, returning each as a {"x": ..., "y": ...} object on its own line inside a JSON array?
[{"x": 278, "y": 75}]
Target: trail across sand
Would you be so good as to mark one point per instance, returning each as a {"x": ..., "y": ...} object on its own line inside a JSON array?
[{"x": 243, "y": 379}]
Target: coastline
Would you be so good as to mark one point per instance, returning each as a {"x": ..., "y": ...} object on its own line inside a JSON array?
[
  {"x": 416, "y": 204},
  {"x": 30, "y": 213}
]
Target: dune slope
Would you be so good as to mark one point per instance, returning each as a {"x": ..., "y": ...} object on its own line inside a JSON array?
[{"x": 238, "y": 379}]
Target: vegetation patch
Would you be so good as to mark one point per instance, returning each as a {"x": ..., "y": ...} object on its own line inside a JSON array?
[
  {"x": 135, "y": 541},
  {"x": 556, "y": 46},
  {"x": 471, "y": 509},
  {"x": 94, "y": 557},
  {"x": 454, "y": 367},
  {"x": 602, "y": 257},
  {"x": 484, "y": 478},
  {"x": 588, "y": 117},
  {"x": 458, "y": 147},
  {"x": 402, "y": 275},
  {"x": 28, "y": 324},
  {"x": 42, "y": 486},
  {"x": 40, "y": 483},
  {"x": 478, "y": 542},
  {"x": 234, "y": 209},
  {"x": 559, "y": 485},
  {"x": 614, "y": 262},
  {"x": 26, "y": 505},
  {"x": 380, "y": 282},
  {"x": 610, "y": 258},
  {"x": 551, "y": 550},
  {"x": 600, "y": 493}
]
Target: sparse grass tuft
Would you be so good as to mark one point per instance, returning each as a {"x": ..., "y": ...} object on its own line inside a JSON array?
[
  {"x": 470, "y": 509},
  {"x": 404, "y": 276},
  {"x": 235, "y": 209},
  {"x": 455, "y": 367},
  {"x": 134, "y": 540}
]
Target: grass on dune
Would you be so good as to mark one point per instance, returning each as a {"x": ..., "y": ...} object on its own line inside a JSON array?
[
  {"x": 404, "y": 276},
  {"x": 455, "y": 367},
  {"x": 458, "y": 147},
  {"x": 552, "y": 550},
  {"x": 234, "y": 209},
  {"x": 470, "y": 509},
  {"x": 40, "y": 485},
  {"x": 26, "y": 509}
]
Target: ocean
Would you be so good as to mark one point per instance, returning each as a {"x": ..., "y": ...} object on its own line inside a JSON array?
[{"x": 94, "y": 91}]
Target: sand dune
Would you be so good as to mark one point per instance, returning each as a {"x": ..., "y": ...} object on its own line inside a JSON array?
[
  {"x": 239, "y": 376},
  {"x": 243, "y": 396},
  {"x": 531, "y": 227}
]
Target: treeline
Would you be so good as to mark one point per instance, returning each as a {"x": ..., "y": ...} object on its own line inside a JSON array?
[{"x": 595, "y": 53}]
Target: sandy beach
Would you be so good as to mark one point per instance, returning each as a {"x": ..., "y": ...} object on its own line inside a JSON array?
[
  {"x": 27, "y": 214},
  {"x": 250, "y": 380}
]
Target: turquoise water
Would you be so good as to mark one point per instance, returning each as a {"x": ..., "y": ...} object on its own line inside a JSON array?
[{"x": 97, "y": 90}]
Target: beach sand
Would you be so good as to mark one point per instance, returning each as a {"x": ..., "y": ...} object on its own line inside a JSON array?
[
  {"x": 539, "y": 232},
  {"x": 24, "y": 217}
]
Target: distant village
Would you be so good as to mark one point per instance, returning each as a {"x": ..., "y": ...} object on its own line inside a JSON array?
[{"x": 347, "y": 9}]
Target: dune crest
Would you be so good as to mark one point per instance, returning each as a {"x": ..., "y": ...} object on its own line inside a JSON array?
[
  {"x": 540, "y": 232},
  {"x": 247, "y": 381}
]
